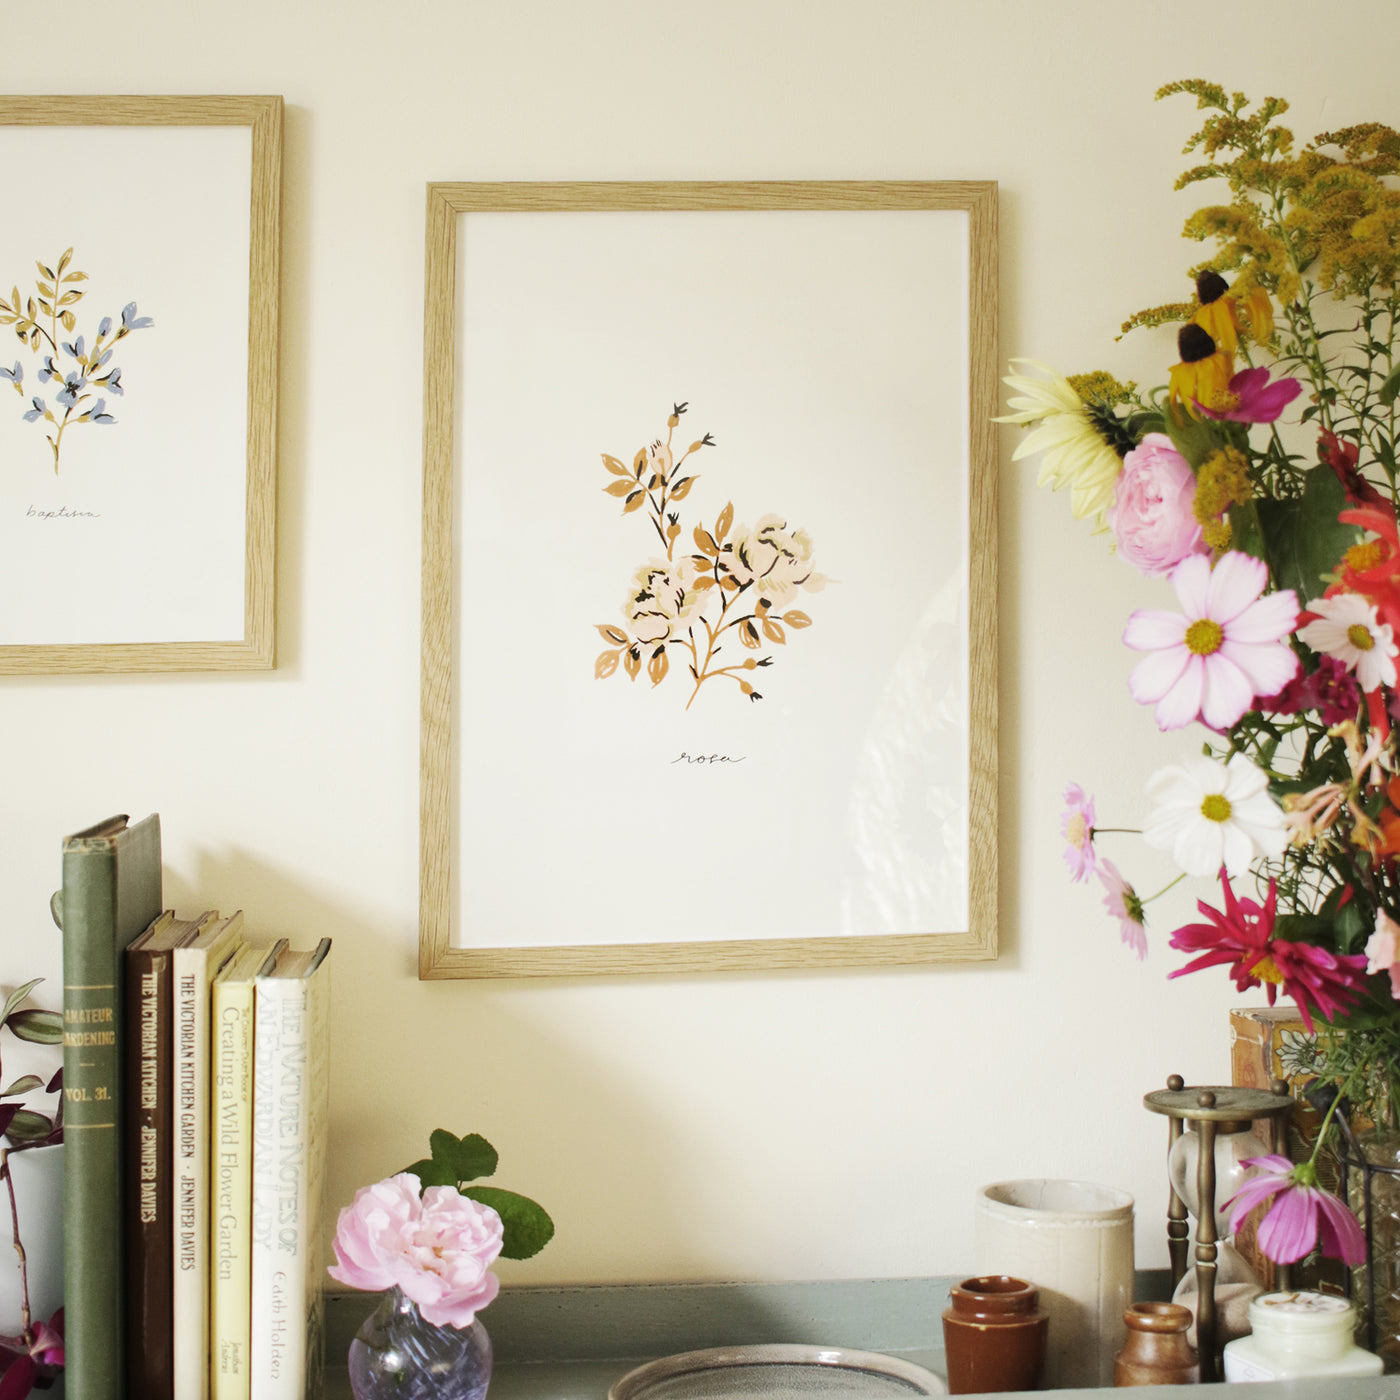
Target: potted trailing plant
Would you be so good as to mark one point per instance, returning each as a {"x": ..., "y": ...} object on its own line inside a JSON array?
[{"x": 31, "y": 1357}]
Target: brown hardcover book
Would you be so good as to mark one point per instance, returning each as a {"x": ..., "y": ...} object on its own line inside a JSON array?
[{"x": 149, "y": 1206}]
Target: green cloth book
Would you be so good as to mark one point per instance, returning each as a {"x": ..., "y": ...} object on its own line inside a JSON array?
[{"x": 111, "y": 892}]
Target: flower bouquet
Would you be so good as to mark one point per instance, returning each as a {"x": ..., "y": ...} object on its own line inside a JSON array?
[{"x": 1259, "y": 484}]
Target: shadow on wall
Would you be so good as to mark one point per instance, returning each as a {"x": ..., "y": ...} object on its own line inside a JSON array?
[{"x": 408, "y": 1057}]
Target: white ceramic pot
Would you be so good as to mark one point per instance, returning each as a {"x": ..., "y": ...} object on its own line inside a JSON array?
[
  {"x": 38, "y": 1179},
  {"x": 1074, "y": 1241}
]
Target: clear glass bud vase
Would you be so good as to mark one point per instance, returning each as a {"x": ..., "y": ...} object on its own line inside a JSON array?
[{"x": 397, "y": 1355}]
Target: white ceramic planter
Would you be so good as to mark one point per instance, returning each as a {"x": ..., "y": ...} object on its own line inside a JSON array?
[
  {"x": 38, "y": 1176},
  {"x": 1074, "y": 1241}
]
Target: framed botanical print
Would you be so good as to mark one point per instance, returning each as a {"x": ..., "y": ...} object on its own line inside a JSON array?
[
  {"x": 709, "y": 637},
  {"x": 138, "y": 382}
]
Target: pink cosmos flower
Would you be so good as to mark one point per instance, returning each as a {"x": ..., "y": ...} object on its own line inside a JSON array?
[
  {"x": 1226, "y": 646},
  {"x": 1151, "y": 513},
  {"x": 1077, "y": 827},
  {"x": 1256, "y": 400},
  {"x": 1300, "y": 1213},
  {"x": 437, "y": 1247},
  {"x": 1383, "y": 950},
  {"x": 1122, "y": 902},
  {"x": 1243, "y": 937}
]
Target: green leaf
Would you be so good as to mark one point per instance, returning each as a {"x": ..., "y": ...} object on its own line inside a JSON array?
[
  {"x": 1388, "y": 391},
  {"x": 1246, "y": 532},
  {"x": 24, "y": 1085},
  {"x": 474, "y": 1158},
  {"x": 528, "y": 1227},
  {"x": 27, "y": 1126},
  {"x": 39, "y": 1027},
  {"x": 1197, "y": 438},
  {"x": 1302, "y": 928},
  {"x": 1350, "y": 928},
  {"x": 1304, "y": 537},
  {"x": 1138, "y": 425},
  {"x": 432, "y": 1173},
  {"x": 17, "y": 996},
  {"x": 468, "y": 1158}
]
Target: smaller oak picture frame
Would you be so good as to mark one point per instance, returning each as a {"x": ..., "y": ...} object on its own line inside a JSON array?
[
  {"x": 139, "y": 334},
  {"x": 827, "y": 795}
]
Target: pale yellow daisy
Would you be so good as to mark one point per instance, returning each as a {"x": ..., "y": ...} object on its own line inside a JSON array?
[{"x": 1075, "y": 454}]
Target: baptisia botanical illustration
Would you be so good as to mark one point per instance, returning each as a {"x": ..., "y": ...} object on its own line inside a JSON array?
[
  {"x": 740, "y": 585},
  {"x": 82, "y": 375}
]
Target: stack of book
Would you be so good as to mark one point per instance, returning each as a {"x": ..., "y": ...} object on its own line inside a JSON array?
[{"x": 195, "y": 1087}]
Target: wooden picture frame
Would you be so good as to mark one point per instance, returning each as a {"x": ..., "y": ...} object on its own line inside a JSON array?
[
  {"x": 451, "y": 209},
  {"x": 222, "y": 508}
]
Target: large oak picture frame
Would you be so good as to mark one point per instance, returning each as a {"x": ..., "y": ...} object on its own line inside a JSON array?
[
  {"x": 214, "y": 475},
  {"x": 469, "y": 226}
]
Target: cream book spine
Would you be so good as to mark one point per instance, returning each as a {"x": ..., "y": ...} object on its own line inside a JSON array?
[
  {"x": 231, "y": 1169},
  {"x": 191, "y": 965},
  {"x": 290, "y": 1111}
]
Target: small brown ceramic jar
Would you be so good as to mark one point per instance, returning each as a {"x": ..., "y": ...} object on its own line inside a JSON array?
[
  {"x": 994, "y": 1335},
  {"x": 1157, "y": 1352}
]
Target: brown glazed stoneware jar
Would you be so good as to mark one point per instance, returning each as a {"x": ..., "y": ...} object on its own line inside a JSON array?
[
  {"x": 1157, "y": 1352},
  {"x": 994, "y": 1335}
]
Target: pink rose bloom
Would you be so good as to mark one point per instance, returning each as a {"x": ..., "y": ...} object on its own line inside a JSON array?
[
  {"x": 437, "y": 1248},
  {"x": 1151, "y": 511}
]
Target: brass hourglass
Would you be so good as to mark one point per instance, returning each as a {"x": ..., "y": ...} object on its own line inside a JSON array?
[{"x": 1211, "y": 1111}]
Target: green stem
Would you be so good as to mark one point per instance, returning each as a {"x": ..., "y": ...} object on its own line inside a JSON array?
[{"x": 1170, "y": 885}]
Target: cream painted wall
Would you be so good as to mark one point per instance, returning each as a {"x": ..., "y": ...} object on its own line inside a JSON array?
[{"x": 831, "y": 1124}]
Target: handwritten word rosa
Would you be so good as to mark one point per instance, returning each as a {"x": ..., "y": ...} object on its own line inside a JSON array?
[
  {"x": 1151, "y": 511},
  {"x": 438, "y": 1247}
]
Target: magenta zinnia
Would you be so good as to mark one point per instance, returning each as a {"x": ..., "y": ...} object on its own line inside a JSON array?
[
  {"x": 1243, "y": 937},
  {"x": 1227, "y": 645},
  {"x": 1301, "y": 1211}
]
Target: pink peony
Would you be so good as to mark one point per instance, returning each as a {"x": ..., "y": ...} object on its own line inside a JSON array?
[
  {"x": 1151, "y": 511},
  {"x": 1300, "y": 1212},
  {"x": 1227, "y": 645},
  {"x": 437, "y": 1248}
]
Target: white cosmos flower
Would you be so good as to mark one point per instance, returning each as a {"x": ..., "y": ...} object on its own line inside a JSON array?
[
  {"x": 1210, "y": 814},
  {"x": 1347, "y": 628},
  {"x": 1075, "y": 455}
]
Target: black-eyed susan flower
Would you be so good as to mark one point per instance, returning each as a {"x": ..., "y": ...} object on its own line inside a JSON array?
[
  {"x": 1221, "y": 311},
  {"x": 1077, "y": 454},
  {"x": 1204, "y": 372}
]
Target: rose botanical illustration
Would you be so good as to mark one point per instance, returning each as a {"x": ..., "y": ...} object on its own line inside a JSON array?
[
  {"x": 740, "y": 586},
  {"x": 82, "y": 374}
]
